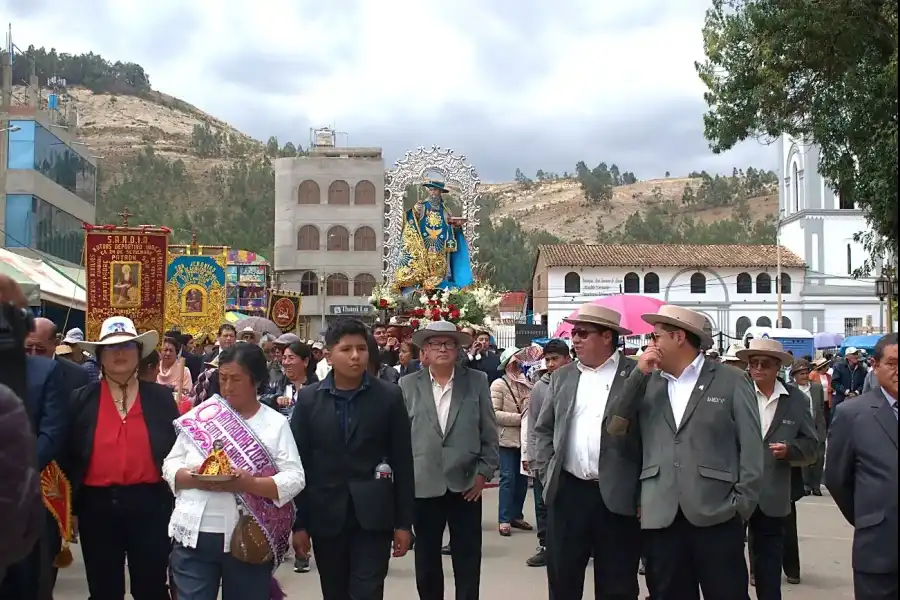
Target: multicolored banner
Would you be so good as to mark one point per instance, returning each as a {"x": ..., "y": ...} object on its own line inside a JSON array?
[
  {"x": 284, "y": 308},
  {"x": 125, "y": 276},
  {"x": 195, "y": 292}
]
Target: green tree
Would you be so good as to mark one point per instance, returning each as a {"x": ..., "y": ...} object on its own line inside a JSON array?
[{"x": 820, "y": 70}]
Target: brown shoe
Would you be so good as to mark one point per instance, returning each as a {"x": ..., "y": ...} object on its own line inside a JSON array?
[
  {"x": 521, "y": 524},
  {"x": 505, "y": 530}
]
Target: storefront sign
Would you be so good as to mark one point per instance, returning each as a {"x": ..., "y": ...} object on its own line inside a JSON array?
[
  {"x": 601, "y": 285},
  {"x": 126, "y": 276},
  {"x": 352, "y": 310},
  {"x": 195, "y": 293}
]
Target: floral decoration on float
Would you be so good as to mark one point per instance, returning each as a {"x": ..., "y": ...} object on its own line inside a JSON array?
[{"x": 472, "y": 306}]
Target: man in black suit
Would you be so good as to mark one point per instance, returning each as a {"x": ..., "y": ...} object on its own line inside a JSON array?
[
  {"x": 353, "y": 434},
  {"x": 861, "y": 474},
  {"x": 482, "y": 358},
  {"x": 848, "y": 378}
]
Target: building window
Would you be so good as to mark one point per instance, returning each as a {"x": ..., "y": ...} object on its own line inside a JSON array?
[
  {"x": 764, "y": 322},
  {"x": 308, "y": 193},
  {"x": 744, "y": 284},
  {"x": 852, "y": 325},
  {"x": 572, "y": 283},
  {"x": 539, "y": 283},
  {"x": 785, "y": 322},
  {"x": 651, "y": 283},
  {"x": 763, "y": 284},
  {"x": 364, "y": 239},
  {"x": 849, "y": 260},
  {"x": 339, "y": 192},
  {"x": 337, "y": 284},
  {"x": 338, "y": 239},
  {"x": 308, "y": 238},
  {"x": 309, "y": 284},
  {"x": 632, "y": 283},
  {"x": 698, "y": 283},
  {"x": 795, "y": 177},
  {"x": 785, "y": 283},
  {"x": 364, "y": 193},
  {"x": 33, "y": 223},
  {"x": 363, "y": 284},
  {"x": 741, "y": 327}
]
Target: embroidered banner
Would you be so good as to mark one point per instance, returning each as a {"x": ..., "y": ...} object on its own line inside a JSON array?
[
  {"x": 125, "y": 275},
  {"x": 195, "y": 292},
  {"x": 284, "y": 308}
]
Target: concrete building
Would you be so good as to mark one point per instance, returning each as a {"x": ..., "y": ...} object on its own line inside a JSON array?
[
  {"x": 329, "y": 231},
  {"x": 734, "y": 286},
  {"x": 819, "y": 226}
]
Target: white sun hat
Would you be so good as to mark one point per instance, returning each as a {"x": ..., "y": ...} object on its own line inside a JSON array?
[{"x": 120, "y": 330}]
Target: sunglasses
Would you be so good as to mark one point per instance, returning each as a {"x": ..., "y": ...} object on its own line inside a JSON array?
[
  {"x": 36, "y": 350},
  {"x": 582, "y": 333},
  {"x": 762, "y": 364}
]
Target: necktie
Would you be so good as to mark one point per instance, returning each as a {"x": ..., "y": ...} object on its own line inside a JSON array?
[{"x": 894, "y": 406}]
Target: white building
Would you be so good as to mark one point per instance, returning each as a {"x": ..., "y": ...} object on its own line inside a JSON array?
[
  {"x": 819, "y": 226},
  {"x": 734, "y": 285}
]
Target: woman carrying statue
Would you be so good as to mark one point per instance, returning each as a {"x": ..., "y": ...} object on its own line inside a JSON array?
[{"x": 434, "y": 253}]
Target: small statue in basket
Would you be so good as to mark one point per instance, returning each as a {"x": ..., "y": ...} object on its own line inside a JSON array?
[{"x": 217, "y": 466}]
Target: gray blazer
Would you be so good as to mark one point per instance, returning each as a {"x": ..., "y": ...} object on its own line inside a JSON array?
[
  {"x": 861, "y": 474},
  {"x": 470, "y": 447},
  {"x": 817, "y": 393},
  {"x": 620, "y": 456},
  {"x": 791, "y": 425},
  {"x": 711, "y": 466}
]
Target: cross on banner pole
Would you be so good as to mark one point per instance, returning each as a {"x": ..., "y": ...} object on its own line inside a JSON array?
[
  {"x": 125, "y": 214},
  {"x": 194, "y": 248}
]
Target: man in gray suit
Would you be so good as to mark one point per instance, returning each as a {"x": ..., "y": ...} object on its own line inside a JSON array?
[
  {"x": 861, "y": 474},
  {"x": 455, "y": 452},
  {"x": 702, "y": 460},
  {"x": 790, "y": 437},
  {"x": 590, "y": 477},
  {"x": 815, "y": 394}
]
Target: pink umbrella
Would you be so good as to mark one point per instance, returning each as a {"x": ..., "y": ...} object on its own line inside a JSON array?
[{"x": 630, "y": 306}]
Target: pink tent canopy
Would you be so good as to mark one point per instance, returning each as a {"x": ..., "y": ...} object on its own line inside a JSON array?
[{"x": 630, "y": 306}]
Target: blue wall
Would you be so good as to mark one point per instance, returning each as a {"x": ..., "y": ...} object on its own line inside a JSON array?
[
  {"x": 19, "y": 220},
  {"x": 21, "y": 145}
]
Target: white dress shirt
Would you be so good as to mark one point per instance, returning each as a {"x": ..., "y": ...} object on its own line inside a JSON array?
[
  {"x": 768, "y": 405},
  {"x": 680, "y": 388},
  {"x": 586, "y": 425},
  {"x": 442, "y": 395},
  {"x": 217, "y": 512}
]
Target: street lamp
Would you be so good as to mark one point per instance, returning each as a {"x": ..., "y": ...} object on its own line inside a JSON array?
[
  {"x": 12, "y": 129},
  {"x": 886, "y": 288}
]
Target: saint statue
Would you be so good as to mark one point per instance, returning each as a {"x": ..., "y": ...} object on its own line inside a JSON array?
[{"x": 433, "y": 253}]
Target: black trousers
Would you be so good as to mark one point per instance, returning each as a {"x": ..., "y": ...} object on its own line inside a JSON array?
[
  {"x": 790, "y": 562},
  {"x": 683, "y": 559},
  {"x": 579, "y": 524},
  {"x": 875, "y": 586},
  {"x": 540, "y": 512},
  {"x": 812, "y": 475},
  {"x": 33, "y": 577},
  {"x": 463, "y": 518},
  {"x": 353, "y": 564},
  {"x": 765, "y": 540},
  {"x": 115, "y": 523}
]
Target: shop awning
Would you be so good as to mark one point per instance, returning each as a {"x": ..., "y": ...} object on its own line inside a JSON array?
[
  {"x": 55, "y": 287},
  {"x": 31, "y": 289}
]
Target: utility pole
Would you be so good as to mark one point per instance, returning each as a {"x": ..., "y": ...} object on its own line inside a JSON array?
[{"x": 778, "y": 268}]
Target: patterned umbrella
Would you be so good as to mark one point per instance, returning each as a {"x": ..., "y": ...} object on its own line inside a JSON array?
[{"x": 260, "y": 325}]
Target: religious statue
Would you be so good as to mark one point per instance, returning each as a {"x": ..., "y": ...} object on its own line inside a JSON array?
[
  {"x": 434, "y": 253},
  {"x": 126, "y": 290},
  {"x": 217, "y": 463}
]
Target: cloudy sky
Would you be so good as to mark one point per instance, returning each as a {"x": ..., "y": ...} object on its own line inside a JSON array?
[{"x": 527, "y": 84}]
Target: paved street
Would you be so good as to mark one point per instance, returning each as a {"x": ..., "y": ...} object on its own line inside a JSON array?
[{"x": 824, "y": 550}]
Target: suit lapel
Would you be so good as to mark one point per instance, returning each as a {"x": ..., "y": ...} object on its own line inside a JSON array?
[
  {"x": 457, "y": 394},
  {"x": 780, "y": 409},
  {"x": 617, "y": 383},
  {"x": 707, "y": 373},
  {"x": 667, "y": 404},
  {"x": 884, "y": 414},
  {"x": 426, "y": 397},
  {"x": 568, "y": 390}
]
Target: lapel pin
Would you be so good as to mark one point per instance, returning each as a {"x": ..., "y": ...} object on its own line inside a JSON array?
[
  {"x": 700, "y": 388},
  {"x": 621, "y": 373}
]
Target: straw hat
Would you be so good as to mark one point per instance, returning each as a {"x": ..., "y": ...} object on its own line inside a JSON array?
[
  {"x": 63, "y": 350},
  {"x": 731, "y": 354},
  {"x": 801, "y": 364},
  {"x": 120, "y": 330},
  {"x": 820, "y": 363},
  {"x": 601, "y": 316},
  {"x": 765, "y": 347},
  {"x": 682, "y": 318},
  {"x": 441, "y": 329}
]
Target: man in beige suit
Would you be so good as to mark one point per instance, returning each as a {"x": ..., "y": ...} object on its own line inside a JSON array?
[{"x": 702, "y": 461}]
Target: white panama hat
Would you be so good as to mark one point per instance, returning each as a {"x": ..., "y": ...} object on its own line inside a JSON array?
[{"x": 120, "y": 330}]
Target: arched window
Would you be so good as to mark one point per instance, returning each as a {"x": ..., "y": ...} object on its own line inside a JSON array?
[
  {"x": 632, "y": 283},
  {"x": 308, "y": 238},
  {"x": 308, "y": 193},
  {"x": 763, "y": 284},
  {"x": 337, "y": 284},
  {"x": 364, "y": 193},
  {"x": 785, "y": 283},
  {"x": 698, "y": 283},
  {"x": 339, "y": 192},
  {"x": 744, "y": 284},
  {"x": 309, "y": 284},
  {"x": 764, "y": 322},
  {"x": 742, "y": 325},
  {"x": 572, "y": 283},
  {"x": 785, "y": 322},
  {"x": 849, "y": 260},
  {"x": 363, "y": 284},
  {"x": 651, "y": 283},
  {"x": 338, "y": 239},
  {"x": 795, "y": 183},
  {"x": 364, "y": 239}
]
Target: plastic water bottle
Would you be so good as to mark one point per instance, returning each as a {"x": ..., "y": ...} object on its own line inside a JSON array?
[{"x": 384, "y": 470}]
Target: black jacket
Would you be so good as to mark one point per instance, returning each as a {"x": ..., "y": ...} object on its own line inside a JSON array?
[
  {"x": 159, "y": 413},
  {"x": 339, "y": 472},
  {"x": 489, "y": 364},
  {"x": 276, "y": 390},
  {"x": 194, "y": 364}
]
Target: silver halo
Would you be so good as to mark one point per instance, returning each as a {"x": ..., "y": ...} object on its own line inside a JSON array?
[{"x": 412, "y": 168}]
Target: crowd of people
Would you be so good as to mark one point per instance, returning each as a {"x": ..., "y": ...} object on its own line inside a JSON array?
[{"x": 376, "y": 440}]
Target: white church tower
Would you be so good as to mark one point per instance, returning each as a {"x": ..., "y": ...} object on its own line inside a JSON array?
[{"x": 819, "y": 226}]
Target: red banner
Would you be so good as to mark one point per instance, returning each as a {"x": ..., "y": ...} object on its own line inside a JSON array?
[{"x": 126, "y": 276}]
